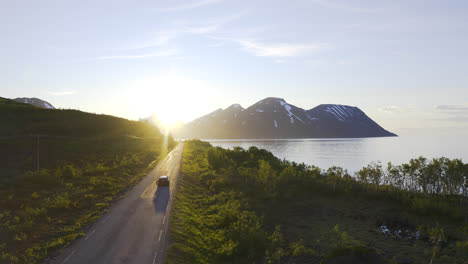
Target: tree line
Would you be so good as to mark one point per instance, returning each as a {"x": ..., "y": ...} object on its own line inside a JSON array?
[{"x": 425, "y": 184}]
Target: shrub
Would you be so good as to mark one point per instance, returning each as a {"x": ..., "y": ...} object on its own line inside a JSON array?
[
  {"x": 61, "y": 202},
  {"x": 68, "y": 171}
]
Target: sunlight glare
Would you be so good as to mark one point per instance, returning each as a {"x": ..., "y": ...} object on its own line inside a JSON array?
[{"x": 168, "y": 97}]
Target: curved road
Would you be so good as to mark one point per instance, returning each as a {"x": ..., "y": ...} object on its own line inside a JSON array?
[{"x": 135, "y": 228}]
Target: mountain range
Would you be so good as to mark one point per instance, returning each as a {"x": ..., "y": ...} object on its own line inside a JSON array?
[{"x": 274, "y": 118}]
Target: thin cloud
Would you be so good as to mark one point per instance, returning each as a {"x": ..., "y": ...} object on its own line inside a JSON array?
[
  {"x": 335, "y": 5},
  {"x": 398, "y": 109},
  {"x": 182, "y": 28},
  {"x": 392, "y": 109},
  {"x": 452, "y": 108},
  {"x": 279, "y": 50},
  {"x": 190, "y": 5},
  {"x": 453, "y": 112},
  {"x": 166, "y": 53},
  {"x": 452, "y": 118},
  {"x": 210, "y": 25},
  {"x": 61, "y": 93},
  {"x": 202, "y": 29},
  {"x": 160, "y": 38}
]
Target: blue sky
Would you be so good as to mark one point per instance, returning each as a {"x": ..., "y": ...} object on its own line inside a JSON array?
[{"x": 402, "y": 62}]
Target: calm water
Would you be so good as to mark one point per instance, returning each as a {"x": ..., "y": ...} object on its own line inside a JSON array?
[{"x": 353, "y": 154}]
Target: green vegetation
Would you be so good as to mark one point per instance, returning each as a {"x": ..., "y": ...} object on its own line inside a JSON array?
[
  {"x": 247, "y": 206},
  {"x": 44, "y": 208}
]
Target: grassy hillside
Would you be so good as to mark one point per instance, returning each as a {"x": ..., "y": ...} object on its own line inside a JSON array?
[
  {"x": 22, "y": 119},
  {"x": 247, "y": 206},
  {"x": 85, "y": 162}
]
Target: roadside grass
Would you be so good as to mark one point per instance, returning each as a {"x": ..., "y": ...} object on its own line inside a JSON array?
[
  {"x": 43, "y": 210},
  {"x": 316, "y": 219}
]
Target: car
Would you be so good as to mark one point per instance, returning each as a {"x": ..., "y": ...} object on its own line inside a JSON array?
[{"x": 163, "y": 181}]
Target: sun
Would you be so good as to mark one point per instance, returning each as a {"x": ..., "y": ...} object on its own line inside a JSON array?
[
  {"x": 167, "y": 119},
  {"x": 171, "y": 98}
]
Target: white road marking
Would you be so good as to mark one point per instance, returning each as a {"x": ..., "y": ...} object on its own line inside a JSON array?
[
  {"x": 164, "y": 220},
  {"x": 90, "y": 234},
  {"x": 160, "y": 233},
  {"x": 69, "y": 256},
  {"x": 105, "y": 219},
  {"x": 154, "y": 259}
]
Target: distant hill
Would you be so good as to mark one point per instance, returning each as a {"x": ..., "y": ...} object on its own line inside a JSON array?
[
  {"x": 24, "y": 119},
  {"x": 275, "y": 118},
  {"x": 34, "y": 101}
]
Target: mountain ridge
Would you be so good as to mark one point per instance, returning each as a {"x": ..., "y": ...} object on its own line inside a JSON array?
[
  {"x": 34, "y": 101},
  {"x": 273, "y": 117}
]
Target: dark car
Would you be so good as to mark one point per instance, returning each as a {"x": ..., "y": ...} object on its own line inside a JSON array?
[{"x": 163, "y": 181}]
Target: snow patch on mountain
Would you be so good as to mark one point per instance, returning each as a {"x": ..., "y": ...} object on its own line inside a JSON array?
[
  {"x": 341, "y": 112},
  {"x": 47, "y": 105},
  {"x": 35, "y": 101},
  {"x": 290, "y": 114}
]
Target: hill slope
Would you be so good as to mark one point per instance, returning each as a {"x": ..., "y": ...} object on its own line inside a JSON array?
[
  {"x": 275, "y": 118},
  {"x": 24, "y": 119}
]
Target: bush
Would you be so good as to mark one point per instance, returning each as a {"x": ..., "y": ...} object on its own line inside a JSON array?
[
  {"x": 61, "y": 202},
  {"x": 43, "y": 177},
  {"x": 69, "y": 172}
]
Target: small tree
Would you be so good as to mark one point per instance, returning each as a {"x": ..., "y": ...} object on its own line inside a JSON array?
[
  {"x": 408, "y": 177},
  {"x": 363, "y": 175},
  {"x": 436, "y": 237},
  {"x": 267, "y": 177},
  {"x": 394, "y": 173},
  {"x": 334, "y": 175},
  {"x": 371, "y": 174},
  {"x": 418, "y": 167},
  {"x": 432, "y": 175}
]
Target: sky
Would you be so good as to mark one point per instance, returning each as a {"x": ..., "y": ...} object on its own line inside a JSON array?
[{"x": 404, "y": 63}]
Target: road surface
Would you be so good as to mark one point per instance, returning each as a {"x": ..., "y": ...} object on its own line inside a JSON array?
[{"x": 135, "y": 228}]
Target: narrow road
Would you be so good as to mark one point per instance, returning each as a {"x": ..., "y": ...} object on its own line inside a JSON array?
[{"x": 135, "y": 228}]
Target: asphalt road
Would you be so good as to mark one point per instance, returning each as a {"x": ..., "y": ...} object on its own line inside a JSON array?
[{"x": 135, "y": 229}]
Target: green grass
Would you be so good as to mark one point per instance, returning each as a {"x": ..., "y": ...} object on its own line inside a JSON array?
[
  {"x": 216, "y": 225},
  {"x": 233, "y": 205},
  {"x": 44, "y": 210}
]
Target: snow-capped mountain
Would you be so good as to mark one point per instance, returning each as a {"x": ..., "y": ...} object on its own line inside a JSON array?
[
  {"x": 34, "y": 101},
  {"x": 275, "y": 118}
]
